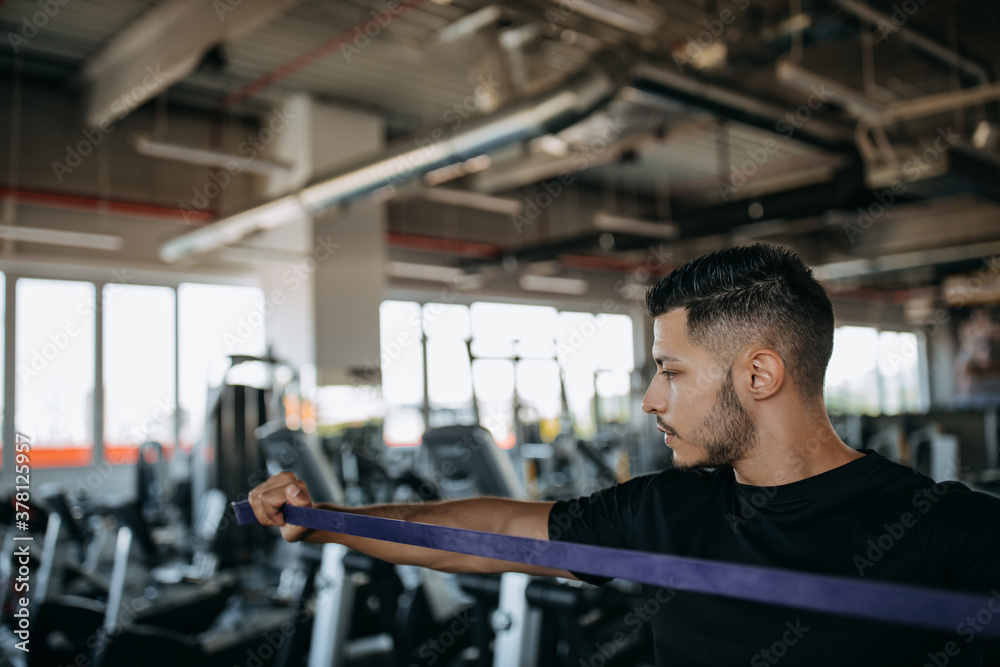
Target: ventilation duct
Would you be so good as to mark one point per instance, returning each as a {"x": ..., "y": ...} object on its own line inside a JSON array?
[{"x": 548, "y": 113}]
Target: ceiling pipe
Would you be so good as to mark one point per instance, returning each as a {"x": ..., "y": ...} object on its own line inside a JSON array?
[
  {"x": 921, "y": 107},
  {"x": 545, "y": 114},
  {"x": 667, "y": 82},
  {"x": 928, "y": 46},
  {"x": 75, "y": 202},
  {"x": 855, "y": 268},
  {"x": 550, "y": 112}
]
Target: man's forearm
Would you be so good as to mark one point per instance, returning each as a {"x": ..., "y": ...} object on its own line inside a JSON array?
[{"x": 493, "y": 515}]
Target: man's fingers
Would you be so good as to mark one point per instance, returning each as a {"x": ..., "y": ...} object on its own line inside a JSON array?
[
  {"x": 296, "y": 493},
  {"x": 268, "y": 498}
]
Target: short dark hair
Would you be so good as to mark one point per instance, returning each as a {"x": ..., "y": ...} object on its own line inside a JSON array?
[{"x": 754, "y": 294}]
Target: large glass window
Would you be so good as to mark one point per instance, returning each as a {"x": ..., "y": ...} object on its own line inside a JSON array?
[
  {"x": 139, "y": 363},
  {"x": 517, "y": 350},
  {"x": 597, "y": 357},
  {"x": 874, "y": 372},
  {"x": 449, "y": 380},
  {"x": 215, "y": 321},
  {"x": 55, "y": 370},
  {"x": 402, "y": 365}
]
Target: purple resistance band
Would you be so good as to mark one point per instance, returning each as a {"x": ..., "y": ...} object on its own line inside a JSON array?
[{"x": 877, "y": 601}]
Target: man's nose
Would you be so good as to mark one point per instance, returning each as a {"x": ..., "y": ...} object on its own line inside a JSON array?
[{"x": 655, "y": 400}]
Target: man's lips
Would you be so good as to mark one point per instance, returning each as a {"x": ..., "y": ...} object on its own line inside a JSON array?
[{"x": 668, "y": 435}]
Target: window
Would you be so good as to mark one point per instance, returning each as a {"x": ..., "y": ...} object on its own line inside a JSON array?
[
  {"x": 593, "y": 353},
  {"x": 55, "y": 361},
  {"x": 874, "y": 372},
  {"x": 449, "y": 380},
  {"x": 139, "y": 364},
  {"x": 501, "y": 331},
  {"x": 214, "y": 322},
  {"x": 402, "y": 365},
  {"x": 597, "y": 357}
]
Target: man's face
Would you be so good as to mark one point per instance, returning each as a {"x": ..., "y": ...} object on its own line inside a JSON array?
[{"x": 694, "y": 400}]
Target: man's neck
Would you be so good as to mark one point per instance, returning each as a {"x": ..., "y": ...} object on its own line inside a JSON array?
[{"x": 792, "y": 454}]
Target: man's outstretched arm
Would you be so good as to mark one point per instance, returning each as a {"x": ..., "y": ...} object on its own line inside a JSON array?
[{"x": 492, "y": 515}]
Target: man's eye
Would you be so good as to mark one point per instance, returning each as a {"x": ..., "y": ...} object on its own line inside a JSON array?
[{"x": 669, "y": 374}]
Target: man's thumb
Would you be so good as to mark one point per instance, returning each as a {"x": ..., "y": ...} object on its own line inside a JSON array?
[{"x": 296, "y": 496}]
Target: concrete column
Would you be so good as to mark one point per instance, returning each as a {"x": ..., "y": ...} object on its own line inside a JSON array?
[{"x": 323, "y": 279}]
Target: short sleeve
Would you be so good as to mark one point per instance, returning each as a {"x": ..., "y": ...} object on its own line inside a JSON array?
[
  {"x": 604, "y": 518},
  {"x": 962, "y": 535}
]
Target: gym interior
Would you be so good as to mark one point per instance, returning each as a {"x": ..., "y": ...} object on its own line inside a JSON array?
[{"x": 400, "y": 248}]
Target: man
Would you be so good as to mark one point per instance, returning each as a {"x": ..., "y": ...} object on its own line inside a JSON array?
[{"x": 742, "y": 338}]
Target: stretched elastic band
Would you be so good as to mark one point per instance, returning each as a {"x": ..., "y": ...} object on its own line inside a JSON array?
[{"x": 877, "y": 601}]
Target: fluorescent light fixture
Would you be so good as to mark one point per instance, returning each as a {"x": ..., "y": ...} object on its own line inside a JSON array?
[
  {"x": 234, "y": 228},
  {"x": 207, "y": 158},
  {"x": 249, "y": 255},
  {"x": 469, "y": 25},
  {"x": 552, "y": 145},
  {"x": 553, "y": 284},
  {"x": 453, "y": 171},
  {"x": 627, "y": 17},
  {"x": 434, "y": 273},
  {"x": 475, "y": 200},
  {"x": 711, "y": 57},
  {"x": 61, "y": 237},
  {"x": 607, "y": 222}
]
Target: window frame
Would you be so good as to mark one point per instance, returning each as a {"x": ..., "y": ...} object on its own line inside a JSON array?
[
  {"x": 923, "y": 366},
  {"x": 99, "y": 277}
]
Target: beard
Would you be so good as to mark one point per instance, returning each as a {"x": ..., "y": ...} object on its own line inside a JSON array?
[{"x": 727, "y": 433}]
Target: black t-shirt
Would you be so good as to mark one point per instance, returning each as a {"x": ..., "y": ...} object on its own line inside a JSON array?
[{"x": 870, "y": 518}]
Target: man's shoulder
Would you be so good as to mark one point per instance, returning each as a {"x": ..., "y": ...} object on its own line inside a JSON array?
[{"x": 673, "y": 485}]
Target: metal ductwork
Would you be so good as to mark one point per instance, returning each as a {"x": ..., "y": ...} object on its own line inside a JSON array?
[
  {"x": 547, "y": 113},
  {"x": 663, "y": 80},
  {"x": 896, "y": 27}
]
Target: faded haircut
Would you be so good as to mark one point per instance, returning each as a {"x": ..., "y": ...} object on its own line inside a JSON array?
[{"x": 759, "y": 294}]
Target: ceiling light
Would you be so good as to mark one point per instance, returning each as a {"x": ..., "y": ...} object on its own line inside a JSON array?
[
  {"x": 572, "y": 286},
  {"x": 468, "y": 25},
  {"x": 453, "y": 171},
  {"x": 207, "y": 158},
  {"x": 551, "y": 144},
  {"x": 61, "y": 237},
  {"x": 474, "y": 200},
  {"x": 607, "y": 222},
  {"x": 434, "y": 273}
]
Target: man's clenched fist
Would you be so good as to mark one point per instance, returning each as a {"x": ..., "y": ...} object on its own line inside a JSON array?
[{"x": 267, "y": 499}]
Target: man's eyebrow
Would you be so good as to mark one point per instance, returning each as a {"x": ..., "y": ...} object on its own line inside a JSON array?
[{"x": 666, "y": 357}]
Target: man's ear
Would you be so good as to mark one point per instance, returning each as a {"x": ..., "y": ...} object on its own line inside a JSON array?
[{"x": 765, "y": 370}]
